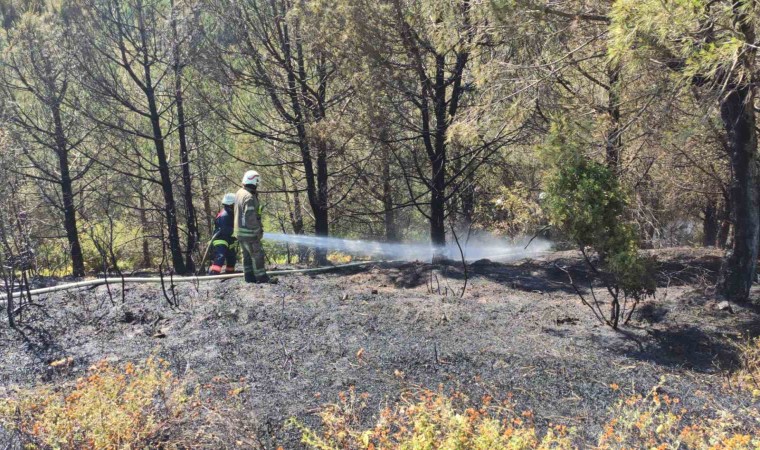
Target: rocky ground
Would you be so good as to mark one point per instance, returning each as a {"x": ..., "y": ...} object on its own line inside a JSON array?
[{"x": 519, "y": 329}]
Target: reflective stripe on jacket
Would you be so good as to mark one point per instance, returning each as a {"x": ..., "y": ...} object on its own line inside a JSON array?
[{"x": 247, "y": 215}]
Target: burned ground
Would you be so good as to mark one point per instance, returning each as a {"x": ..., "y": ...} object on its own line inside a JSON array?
[{"x": 519, "y": 329}]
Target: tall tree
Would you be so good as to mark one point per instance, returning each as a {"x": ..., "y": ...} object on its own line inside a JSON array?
[
  {"x": 181, "y": 42},
  {"x": 422, "y": 53},
  {"x": 713, "y": 46},
  {"x": 127, "y": 71},
  {"x": 36, "y": 81},
  {"x": 439, "y": 72}
]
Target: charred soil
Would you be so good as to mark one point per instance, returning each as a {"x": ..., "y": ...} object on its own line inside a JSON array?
[{"x": 388, "y": 329}]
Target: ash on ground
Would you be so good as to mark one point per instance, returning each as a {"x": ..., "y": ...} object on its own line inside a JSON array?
[{"x": 519, "y": 329}]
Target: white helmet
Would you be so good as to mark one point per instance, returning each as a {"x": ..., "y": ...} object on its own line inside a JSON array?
[
  {"x": 251, "y": 178},
  {"x": 229, "y": 199}
]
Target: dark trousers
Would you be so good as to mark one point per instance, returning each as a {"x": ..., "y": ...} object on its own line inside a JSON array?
[
  {"x": 253, "y": 257},
  {"x": 224, "y": 253}
]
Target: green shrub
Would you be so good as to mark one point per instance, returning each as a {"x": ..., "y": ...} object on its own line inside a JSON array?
[{"x": 587, "y": 203}]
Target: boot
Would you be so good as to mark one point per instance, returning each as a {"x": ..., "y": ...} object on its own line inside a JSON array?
[{"x": 249, "y": 277}]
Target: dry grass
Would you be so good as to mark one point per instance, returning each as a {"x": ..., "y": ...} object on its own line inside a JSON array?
[
  {"x": 145, "y": 406},
  {"x": 748, "y": 377},
  {"x": 437, "y": 421},
  {"x": 134, "y": 406},
  {"x": 657, "y": 421},
  {"x": 431, "y": 420}
]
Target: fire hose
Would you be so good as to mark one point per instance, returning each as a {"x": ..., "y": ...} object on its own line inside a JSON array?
[{"x": 174, "y": 279}]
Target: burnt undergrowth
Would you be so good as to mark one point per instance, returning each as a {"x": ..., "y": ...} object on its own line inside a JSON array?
[{"x": 519, "y": 330}]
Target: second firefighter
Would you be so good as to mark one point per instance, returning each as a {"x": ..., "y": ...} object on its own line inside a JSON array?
[{"x": 224, "y": 243}]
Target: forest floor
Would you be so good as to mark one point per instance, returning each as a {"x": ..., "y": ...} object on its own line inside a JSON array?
[{"x": 519, "y": 330}]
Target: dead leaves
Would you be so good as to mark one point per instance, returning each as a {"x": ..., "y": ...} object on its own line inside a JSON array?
[{"x": 61, "y": 363}]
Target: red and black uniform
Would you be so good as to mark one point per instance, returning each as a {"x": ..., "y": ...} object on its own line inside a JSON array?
[{"x": 225, "y": 245}]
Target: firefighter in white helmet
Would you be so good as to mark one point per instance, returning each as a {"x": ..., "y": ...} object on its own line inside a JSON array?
[
  {"x": 249, "y": 230},
  {"x": 224, "y": 243}
]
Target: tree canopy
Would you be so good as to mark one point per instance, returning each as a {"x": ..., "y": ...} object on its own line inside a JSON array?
[{"x": 125, "y": 121}]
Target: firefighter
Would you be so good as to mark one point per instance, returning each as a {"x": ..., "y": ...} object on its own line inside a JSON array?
[
  {"x": 225, "y": 245},
  {"x": 249, "y": 230}
]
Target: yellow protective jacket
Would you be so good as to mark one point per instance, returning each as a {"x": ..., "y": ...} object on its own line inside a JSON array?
[{"x": 248, "y": 224}]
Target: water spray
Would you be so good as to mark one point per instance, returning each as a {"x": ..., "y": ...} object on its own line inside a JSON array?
[{"x": 480, "y": 246}]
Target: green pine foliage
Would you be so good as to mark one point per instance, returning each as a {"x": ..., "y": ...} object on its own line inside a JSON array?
[{"x": 587, "y": 203}]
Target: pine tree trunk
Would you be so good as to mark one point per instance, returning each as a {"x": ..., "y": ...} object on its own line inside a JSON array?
[
  {"x": 67, "y": 192},
  {"x": 321, "y": 213},
  {"x": 438, "y": 164},
  {"x": 203, "y": 172},
  {"x": 614, "y": 141},
  {"x": 297, "y": 223},
  {"x": 187, "y": 181},
  {"x": 438, "y": 209},
  {"x": 737, "y": 113},
  {"x": 70, "y": 220},
  {"x": 710, "y": 224},
  {"x": 389, "y": 216},
  {"x": 170, "y": 207},
  {"x": 147, "y": 260}
]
